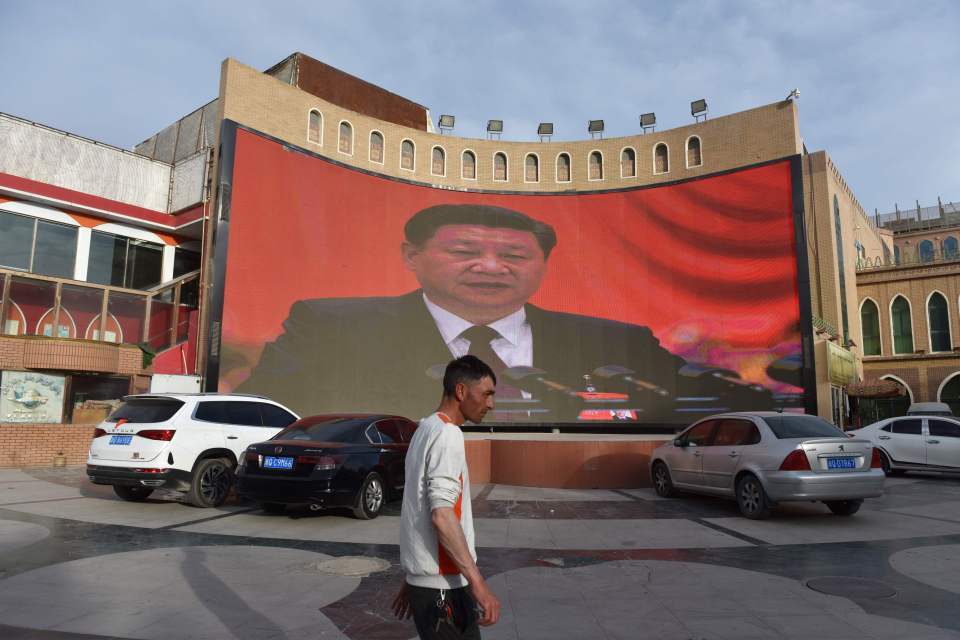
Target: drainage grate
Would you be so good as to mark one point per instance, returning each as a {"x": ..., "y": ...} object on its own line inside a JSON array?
[
  {"x": 357, "y": 566},
  {"x": 849, "y": 587}
]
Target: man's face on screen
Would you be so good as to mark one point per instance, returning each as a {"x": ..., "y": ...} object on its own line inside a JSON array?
[{"x": 479, "y": 273}]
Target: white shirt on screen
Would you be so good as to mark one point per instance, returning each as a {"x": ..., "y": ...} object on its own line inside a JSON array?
[{"x": 515, "y": 346}]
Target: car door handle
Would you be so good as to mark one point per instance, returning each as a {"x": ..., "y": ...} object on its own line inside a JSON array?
[
  {"x": 884, "y": 437},
  {"x": 933, "y": 442},
  {"x": 697, "y": 453},
  {"x": 733, "y": 454},
  {"x": 231, "y": 437}
]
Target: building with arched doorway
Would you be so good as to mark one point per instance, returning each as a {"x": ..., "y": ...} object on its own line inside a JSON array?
[{"x": 909, "y": 309}]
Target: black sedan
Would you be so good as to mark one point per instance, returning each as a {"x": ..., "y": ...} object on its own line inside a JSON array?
[{"x": 353, "y": 461}]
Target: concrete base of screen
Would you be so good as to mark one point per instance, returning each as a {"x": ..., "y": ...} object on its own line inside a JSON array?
[{"x": 561, "y": 461}]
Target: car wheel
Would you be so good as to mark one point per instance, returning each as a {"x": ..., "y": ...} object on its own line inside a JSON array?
[
  {"x": 273, "y": 507},
  {"x": 211, "y": 483},
  {"x": 752, "y": 498},
  {"x": 662, "y": 483},
  {"x": 132, "y": 494},
  {"x": 844, "y": 507},
  {"x": 887, "y": 466},
  {"x": 370, "y": 498}
]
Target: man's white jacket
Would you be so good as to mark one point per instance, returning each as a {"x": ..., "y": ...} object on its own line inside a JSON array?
[{"x": 436, "y": 476}]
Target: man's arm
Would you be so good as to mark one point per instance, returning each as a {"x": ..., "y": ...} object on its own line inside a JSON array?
[
  {"x": 445, "y": 460},
  {"x": 451, "y": 537}
]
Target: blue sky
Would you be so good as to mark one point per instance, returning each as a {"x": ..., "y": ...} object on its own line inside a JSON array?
[{"x": 878, "y": 80}]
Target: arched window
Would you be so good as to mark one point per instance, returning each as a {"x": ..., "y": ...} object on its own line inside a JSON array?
[
  {"x": 315, "y": 127},
  {"x": 870, "y": 324},
  {"x": 595, "y": 166},
  {"x": 694, "y": 157},
  {"x": 926, "y": 251},
  {"x": 951, "y": 249},
  {"x": 950, "y": 393},
  {"x": 896, "y": 254},
  {"x": 468, "y": 168},
  {"x": 628, "y": 163},
  {"x": 531, "y": 168},
  {"x": 376, "y": 147},
  {"x": 500, "y": 167},
  {"x": 439, "y": 164},
  {"x": 407, "y": 155},
  {"x": 886, "y": 255},
  {"x": 902, "y": 325},
  {"x": 939, "y": 322},
  {"x": 563, "y": 168},
  {"x": 661, "y": 159},
  {"x": 345, "y": 143}
]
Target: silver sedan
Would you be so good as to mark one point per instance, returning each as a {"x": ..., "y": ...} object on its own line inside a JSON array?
[{"x": 762, "y": 458}]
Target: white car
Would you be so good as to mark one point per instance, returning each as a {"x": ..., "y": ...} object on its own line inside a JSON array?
[
  {"x": 184, "y": 442},
  {"x": 915, "y": 443}
]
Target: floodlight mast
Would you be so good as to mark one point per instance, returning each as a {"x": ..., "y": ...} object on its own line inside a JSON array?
[
  {"x": 648, "y": 121},
  {"x": 595, "y": 128},
  {"x": 698, "y": 109},
  {"x": 545, "y": 131},
  {"x": 494, "y": 128},
  {"x": 446, "y": 123}
]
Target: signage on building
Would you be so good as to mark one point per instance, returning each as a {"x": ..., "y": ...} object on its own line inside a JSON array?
[
  {"x": 841, "y": 365},
  {"x": 26, "y": 396}
]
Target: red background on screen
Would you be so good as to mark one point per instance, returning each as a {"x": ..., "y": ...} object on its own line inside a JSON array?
[{"x": 709, "y": 265}]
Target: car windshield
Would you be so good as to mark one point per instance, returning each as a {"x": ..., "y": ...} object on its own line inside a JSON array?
[
  {"x": 142, "y": 410},
  {"x": 341, "y": 430},
  {"x": 786, "y": 427}
]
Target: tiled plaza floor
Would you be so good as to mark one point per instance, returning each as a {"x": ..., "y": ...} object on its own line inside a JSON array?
[{"x": 76, "y": 563}]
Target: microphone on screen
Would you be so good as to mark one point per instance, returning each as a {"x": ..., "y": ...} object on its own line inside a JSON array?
[
  {"x": 535, "y": 382},
  {"x": 624, "y": 378}
]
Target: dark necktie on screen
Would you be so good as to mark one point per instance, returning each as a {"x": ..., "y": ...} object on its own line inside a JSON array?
[{"x": 480, "y": 337}]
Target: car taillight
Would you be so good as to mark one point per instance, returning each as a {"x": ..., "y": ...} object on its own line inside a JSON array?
[
  {"x": 328, "y": 463},
  {"x": 157, "y": 434},
  {"x": 875, "y": 461},
  {"x": 99, "y": 433},
  {"x": 150, "y": 470},
  {"x": 796, "y": 461}
]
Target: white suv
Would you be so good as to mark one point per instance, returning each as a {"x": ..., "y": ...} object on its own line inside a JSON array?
[{"x": 181, "y": 441}]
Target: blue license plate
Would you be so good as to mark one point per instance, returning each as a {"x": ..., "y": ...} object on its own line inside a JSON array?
[
  {"x": 120, "y": 439},
  {"x": 841, "y": 463},
  {"x": 270, "y": 462}
]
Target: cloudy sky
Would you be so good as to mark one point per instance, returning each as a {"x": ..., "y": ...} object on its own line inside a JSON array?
[{"x": 878, "y": 80}]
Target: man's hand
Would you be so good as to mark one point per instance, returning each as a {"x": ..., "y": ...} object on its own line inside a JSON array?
[
  {"x": 401, "y": 603},
  {"x": 488, "y": 603}
]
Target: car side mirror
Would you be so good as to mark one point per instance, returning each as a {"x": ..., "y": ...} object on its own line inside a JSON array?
[{"x": 679, "y": 442}]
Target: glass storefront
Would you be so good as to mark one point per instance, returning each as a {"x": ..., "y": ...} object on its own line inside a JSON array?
[
  {"x": 124, "y": 262},
  {"x": 38, "y": 246}
]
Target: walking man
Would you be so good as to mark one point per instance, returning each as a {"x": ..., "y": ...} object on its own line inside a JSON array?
[{"x": 443, "y": 589}]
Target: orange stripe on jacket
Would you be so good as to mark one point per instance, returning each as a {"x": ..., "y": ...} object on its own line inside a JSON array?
[{"x": 447, "y": 565}]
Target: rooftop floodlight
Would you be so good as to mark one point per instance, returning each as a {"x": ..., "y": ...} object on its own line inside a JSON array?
[
  {"x": 698, "y": 108},
  {"x": 494, "y": 128},
  {"x": 545, "y": 130},
  {"x": 595, "y": 128},
  {"x": 648, "y": 121},
  {"x": 446, "y": 123},
  {"x": 793, "y": 95}
]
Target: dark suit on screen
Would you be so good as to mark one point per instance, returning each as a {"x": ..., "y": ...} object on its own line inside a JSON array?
[{"x": 372, "y": 354}]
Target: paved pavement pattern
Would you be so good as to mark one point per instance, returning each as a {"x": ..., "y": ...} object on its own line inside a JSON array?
[{"x": 76, "y": 563}]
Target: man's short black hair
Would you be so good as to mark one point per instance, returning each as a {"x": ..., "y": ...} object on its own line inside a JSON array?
[
  {"x": 465, "y": 369},
  {"x": 423, "y": 224}
]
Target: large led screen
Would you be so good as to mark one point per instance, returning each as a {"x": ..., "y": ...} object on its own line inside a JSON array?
[{"x": 345, "y": 291}]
